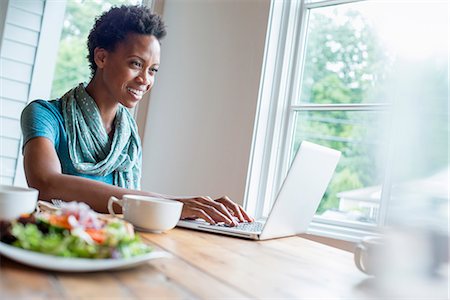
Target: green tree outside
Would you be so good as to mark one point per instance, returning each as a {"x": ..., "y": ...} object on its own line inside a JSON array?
[
  {"x": 345, "y": 63},
  {"x": 72, "y": 66}
]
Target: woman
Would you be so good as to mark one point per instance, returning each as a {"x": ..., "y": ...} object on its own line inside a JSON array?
[{"x": 85, "y": 145}]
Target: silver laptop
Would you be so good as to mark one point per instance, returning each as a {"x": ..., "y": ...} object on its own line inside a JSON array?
[{"x": 297, "y": 200}]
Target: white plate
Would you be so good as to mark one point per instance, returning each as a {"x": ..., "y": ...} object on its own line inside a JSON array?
[{"x": 65, "y": 264}]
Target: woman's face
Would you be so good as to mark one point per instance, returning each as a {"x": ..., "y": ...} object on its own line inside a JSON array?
[{"x": 129, "y": 71}]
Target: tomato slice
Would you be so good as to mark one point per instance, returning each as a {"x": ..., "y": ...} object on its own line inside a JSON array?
[
  {"x": 60, "y": 221},
  {"x": 98, "y": 235}
]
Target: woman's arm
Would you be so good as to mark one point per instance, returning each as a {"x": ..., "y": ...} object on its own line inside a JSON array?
[{"x": 43, "y": 172}]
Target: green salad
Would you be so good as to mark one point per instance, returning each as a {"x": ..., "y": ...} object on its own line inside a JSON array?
[{"x": 74, "y": 230}]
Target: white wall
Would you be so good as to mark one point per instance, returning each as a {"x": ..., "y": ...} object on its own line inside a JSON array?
[
  {"x": 200, "y": 119},
  {"x": 29, "y": 36},
  {"x": 21, "y": 24}
]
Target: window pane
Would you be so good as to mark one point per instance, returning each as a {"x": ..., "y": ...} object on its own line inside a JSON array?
[
  {"x": 72, "y": 66},
  {"x": 353, "y": 50},
  {"x": 367, "y": 52},
  {"x": 355, "y": 189}
]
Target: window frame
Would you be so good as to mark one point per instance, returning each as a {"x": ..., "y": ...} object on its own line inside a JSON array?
[{"x": 275, "y": 120}]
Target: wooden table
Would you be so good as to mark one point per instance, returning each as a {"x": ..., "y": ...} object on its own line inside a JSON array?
[{"x": 203, "y": 266}]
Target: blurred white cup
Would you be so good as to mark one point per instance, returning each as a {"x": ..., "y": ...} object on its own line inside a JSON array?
[
  {"x": 15, "y": 201},
  {"x": 148, "y": 213},
  {"x": 368, "y": 254}
]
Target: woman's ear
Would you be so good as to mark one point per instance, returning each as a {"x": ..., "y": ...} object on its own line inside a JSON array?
[{"x": 100, "y": 55}]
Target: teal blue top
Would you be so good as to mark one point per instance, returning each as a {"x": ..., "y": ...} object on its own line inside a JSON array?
[{"x": 43, "y": 118}]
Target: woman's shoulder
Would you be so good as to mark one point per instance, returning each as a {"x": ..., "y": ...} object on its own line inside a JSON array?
[
  {"x": 41, "y": 118},
  {"x": 43, "y": 107},
  {"x": 45, "y": 104}
]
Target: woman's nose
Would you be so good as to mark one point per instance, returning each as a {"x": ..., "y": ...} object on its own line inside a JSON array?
[{"x": 144, "y": 78}]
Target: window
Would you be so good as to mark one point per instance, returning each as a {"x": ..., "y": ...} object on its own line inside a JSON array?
[
  {"x": 341, "y": 76},
  {"x": 72, "y": 66}
]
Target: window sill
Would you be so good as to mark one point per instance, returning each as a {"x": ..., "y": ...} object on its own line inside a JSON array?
[
  {"x": 338, "y": 236},
  {"x": 332, "y": 242}
]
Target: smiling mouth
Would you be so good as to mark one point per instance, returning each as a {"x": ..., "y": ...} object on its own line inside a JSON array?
[{"x": 137, "y": 93}]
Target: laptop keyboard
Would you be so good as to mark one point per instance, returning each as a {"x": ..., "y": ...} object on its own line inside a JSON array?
[{"x": 253, "y": 227}]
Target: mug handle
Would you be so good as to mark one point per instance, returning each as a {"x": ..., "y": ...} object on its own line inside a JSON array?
[
  {"x": 111, "y": 202},
  {"x": 358, "y": 257}
]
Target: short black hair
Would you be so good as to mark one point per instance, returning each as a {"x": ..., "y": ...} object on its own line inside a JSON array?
[{"x": 112, "y": 27}]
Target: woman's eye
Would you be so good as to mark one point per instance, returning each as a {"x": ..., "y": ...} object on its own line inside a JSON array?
[
  {"x": 153, "y": 70},
  {"x": 136, "y": 64}
]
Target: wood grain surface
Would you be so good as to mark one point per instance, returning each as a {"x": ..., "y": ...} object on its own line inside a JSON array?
[{"x": 203, "y": 266}]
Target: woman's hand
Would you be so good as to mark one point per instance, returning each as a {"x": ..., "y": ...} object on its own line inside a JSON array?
[{"x": 214, "y": 211}]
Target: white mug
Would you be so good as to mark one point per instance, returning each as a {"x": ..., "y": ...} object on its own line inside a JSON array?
[
  {"x": 368, "y": 254},
  {"x": 15, "y": 201},
  {"x": 148, "y": 213}
]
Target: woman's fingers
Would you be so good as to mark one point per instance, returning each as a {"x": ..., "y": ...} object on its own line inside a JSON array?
[
  {"x": 233, "y": 207},
  {"x": 195, "y": 213},
  {"x": 246, "y": 215},
  {"x": 237, "y": 210},
  {"x": 219, "y": 207},
  {"x": 202, "y": 208},
  {"x": 219, "y": 210},
  {"x": 217, "y": 214}
]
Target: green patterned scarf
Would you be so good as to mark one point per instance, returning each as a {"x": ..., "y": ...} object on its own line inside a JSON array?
[{"x": 90, "y": 149}]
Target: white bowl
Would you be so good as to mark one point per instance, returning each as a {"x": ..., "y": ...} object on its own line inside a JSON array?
[{"x": 15, "y": 201}]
